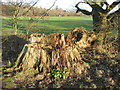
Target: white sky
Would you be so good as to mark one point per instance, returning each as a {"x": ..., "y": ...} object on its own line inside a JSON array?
[{"x": 64, "y": 4}]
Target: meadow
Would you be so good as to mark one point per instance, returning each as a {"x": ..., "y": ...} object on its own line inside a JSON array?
[{"x": 46, "y": 25}]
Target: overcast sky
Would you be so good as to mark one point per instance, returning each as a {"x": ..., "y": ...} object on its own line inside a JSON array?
[{"x": 64, "y": 4}]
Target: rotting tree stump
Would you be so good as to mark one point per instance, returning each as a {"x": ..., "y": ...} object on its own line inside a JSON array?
[{"x": 45, "y": 52}]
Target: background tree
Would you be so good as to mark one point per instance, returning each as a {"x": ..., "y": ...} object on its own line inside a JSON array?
[
  {"x": 7, "y": 10},
  {"x": 103, "y": 20},
  {"x": 19, "y": 8},
  {"x": 101, "y": 17}
]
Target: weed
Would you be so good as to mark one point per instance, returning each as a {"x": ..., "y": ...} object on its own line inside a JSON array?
[{"x": 58, "y": 73}]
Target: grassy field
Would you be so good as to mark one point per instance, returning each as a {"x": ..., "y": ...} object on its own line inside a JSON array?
[{"x": 45, "y": 25}]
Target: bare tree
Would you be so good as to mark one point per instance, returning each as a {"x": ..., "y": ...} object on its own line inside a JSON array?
[
  {"x": 101, "y": 17},
  {"x": 20, "y": 8},
  {"x": 45, "y": 13},
  {"x": 103, "y": 20}
]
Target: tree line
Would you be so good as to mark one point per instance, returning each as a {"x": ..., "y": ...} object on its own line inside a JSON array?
[{"x": 8, "y": 9}]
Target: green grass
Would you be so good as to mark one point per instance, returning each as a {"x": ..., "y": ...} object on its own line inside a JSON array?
[{"x": 46, "y": 25}]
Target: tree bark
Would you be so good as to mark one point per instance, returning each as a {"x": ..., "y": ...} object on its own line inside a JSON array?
[
  {"x": 47, "y": 51},
  {"x": 101, "y": 17}
]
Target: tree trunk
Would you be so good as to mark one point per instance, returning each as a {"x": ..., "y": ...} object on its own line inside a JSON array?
[
  {"x": 15, "y": 28},
  {"x": 15, "y": 25},
  {"x": 100, "y": 20},
  {"x": 101, "y": 25},
  {"x": 118, "y": 33},
  {"x": 47, "y": 51}
]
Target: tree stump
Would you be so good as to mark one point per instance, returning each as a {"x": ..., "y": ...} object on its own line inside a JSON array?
[{"x": 44, "y": 52}]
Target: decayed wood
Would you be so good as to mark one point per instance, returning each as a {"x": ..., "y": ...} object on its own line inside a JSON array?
[
  {"x": 46, "y": 51},
  {"x": 81, "y": 37}
]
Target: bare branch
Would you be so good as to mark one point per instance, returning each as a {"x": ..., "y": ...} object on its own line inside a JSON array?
[
  {"x": 30, "y": 7},
  {"x": 114, "y": 4},
  {"x": 89, "y": 3},
  {"x": 52, "y": 5},
  {"x": 20, "y": 4},
  {"x": 93, "y": 5},
  {"x": 84, "y": 11},
  {"x": 81, "y": 10},
  {"x": 104, "y": 2},
  {"x": 107, "y": 5},
  {"x": 116, "y": 13},
  {"x": 44, "y": 14},
  {"x": 16, "y": 6}
]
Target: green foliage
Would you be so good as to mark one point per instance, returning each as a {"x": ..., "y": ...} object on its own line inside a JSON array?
[{"x": 58, "y": 73}]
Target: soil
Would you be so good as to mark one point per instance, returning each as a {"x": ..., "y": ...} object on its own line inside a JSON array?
[
  {"x": 11, "y": 47},
  {"x": 103, "y": 72}
]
